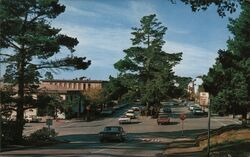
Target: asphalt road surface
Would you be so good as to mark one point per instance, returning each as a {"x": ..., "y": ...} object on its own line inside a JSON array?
[{"x": 145, "y": 137}]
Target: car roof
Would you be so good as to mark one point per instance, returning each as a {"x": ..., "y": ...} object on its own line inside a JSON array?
[
  {"x": 113, "y": 127},
  {"x": 123, "y": 116},
  {"x": 163, "y": 115},
  {"x": 197, "y": 107}
]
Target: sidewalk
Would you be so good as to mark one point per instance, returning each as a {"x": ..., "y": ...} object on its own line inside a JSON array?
[{"x": 184, "y": 147}]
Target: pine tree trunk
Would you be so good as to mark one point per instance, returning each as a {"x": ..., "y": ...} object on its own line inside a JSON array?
[
  {"x": 244, "y": 117},
  {"x": 20, "y": 105},
  {"x": 79, "y": 107}
]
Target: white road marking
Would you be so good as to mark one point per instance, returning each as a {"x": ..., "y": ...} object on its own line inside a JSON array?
[
  {"x": 101, "y": 150},
  {"x": 223, "y": 124}
]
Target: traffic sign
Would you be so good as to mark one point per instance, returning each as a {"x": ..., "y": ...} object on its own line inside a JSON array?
[
  {"x": 204, "y": 97},
  {"x": 49, "y": 122},
  {"x": 182, "y": 116}
]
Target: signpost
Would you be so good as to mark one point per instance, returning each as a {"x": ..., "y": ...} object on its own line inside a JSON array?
[
  {"x": 204, "y": 101},
  {"x": 49, "y": 122},
  {"x": 182, "y": 117},
  {"x": 208, "y": 140}
]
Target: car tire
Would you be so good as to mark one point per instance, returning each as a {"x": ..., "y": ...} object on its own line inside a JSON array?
[
  {"x": 122, "y": 140},
  {"x": 102, "y": 140},
  {"x": 159, "y": 123}
]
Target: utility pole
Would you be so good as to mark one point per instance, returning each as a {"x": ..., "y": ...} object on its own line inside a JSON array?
[
  {"x": 205, "y": 101},
  {"x": 209, "y": 119},
  {"x": 0, "y": 102}
]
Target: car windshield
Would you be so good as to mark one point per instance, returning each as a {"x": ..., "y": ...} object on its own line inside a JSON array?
[
  {"x": 112, "y": 129},
  {"x": 163, "y": 116},
  {"x": 196, "y": 108}
]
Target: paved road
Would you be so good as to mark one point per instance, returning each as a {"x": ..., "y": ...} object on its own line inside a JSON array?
[{"x": 145, "y": 137}]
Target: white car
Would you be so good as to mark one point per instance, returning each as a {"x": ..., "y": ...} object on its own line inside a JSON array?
[
  {"x": 197, "y": 111},
  {"x": 191, "y": 107},
  {"x": 124, "y": 120},
  {"x": 130, "y": 113},
  {"x": 33, "y": 118},
  {"x": 135, "y": 108}
]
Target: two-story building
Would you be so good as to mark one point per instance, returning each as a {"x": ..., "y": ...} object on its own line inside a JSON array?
[{"x": 72, "y": 91}]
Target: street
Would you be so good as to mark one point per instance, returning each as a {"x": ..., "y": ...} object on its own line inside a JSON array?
[{"x": 145, "y": 137}]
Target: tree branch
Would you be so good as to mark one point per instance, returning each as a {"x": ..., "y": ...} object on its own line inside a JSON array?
[
  {"x": 6, "y": 55},
  {"x": 30, "y": 107},
  {"x": 8, "y": 109},
  {"x": 11, "y": 43}
]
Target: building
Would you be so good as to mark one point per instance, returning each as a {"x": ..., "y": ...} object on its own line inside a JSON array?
[
  {"x": 76, "y": 85},
  {"x": 71, "y": 90},
  {"x": 193, "y": 88}
]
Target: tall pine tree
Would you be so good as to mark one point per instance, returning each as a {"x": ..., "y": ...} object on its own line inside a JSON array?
[
  {"x": 146, "y": 70},
  {"x": 229, "y": 79},
  {"x": 26, "y": 31}
]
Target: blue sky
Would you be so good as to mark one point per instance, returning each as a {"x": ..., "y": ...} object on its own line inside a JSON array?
[{"x": 103, "y": 29}]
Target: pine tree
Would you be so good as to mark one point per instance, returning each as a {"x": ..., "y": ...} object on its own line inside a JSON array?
[
  {"x": 26, "y": 31},
  {"x": 229, "y": 79},
  {"x": 146, "y": 70}
]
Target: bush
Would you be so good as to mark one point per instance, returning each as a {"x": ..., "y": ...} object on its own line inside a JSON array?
[
  {"x": 7, "y": 133},
  {"x": 43, "y": 134}
]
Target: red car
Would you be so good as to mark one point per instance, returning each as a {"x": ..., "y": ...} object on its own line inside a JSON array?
[{"x": 163, "y": 119}]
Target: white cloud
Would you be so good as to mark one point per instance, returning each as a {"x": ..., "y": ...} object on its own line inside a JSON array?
[
  {"x": 195, "y": 60},
  {"x": 77, "y": 11},
  {"x": 138, "y": 9},
  {"x": 178, "y": 31},
  {"x": 103, "y": 46}
]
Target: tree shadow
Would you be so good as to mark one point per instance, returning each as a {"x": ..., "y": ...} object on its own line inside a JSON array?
[
  {"x": 133, "y": 122},
  {"x": 188, "y": 115},
  {"x": 134, "y": 143},
  {"x": 170, "y": 123}
]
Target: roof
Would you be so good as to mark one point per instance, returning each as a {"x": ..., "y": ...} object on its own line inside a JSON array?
[
  {"x": 55, "y": 88},
  {"x": 76, "y": 81}
]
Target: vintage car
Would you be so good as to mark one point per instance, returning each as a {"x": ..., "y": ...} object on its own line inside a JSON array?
[
  {"x": 167, "y": 110},
  {"x": 131, "y": 114},
  {"x": 135, "y": 108},
  {"x": 197, "y": 111},
  {"x": 124, "y": 119},
  {"x": 163, "y": 119},
  {"x": 112, "y": 133},
  {"x": 32, "y": 119}
]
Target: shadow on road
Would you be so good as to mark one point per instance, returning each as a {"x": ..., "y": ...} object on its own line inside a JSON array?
[
  {"x": 188, "y": 115},
  {"x": 135, "y": 122},
  {"x": 171, "y": 123},
  {"x": 89, "y": 144}
]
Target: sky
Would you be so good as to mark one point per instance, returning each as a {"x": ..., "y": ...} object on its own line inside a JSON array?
[{"x": 103, "y": 29}]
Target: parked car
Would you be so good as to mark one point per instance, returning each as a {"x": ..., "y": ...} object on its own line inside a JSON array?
[
  {"x": 131, "y": 114},
  {"x": 163, "y": 119},
  {"x": 136, "y": 109},
  {"x": 197, "y": 111},
  {"x": 32, "y": 118},
  {"x": 191, "y": 107},
  {"x": 124, "y": 120},
  {"x": 107, "y": 112},
  {"x": 167, "y": 110},
  {"x": 112, "y": 133}
]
